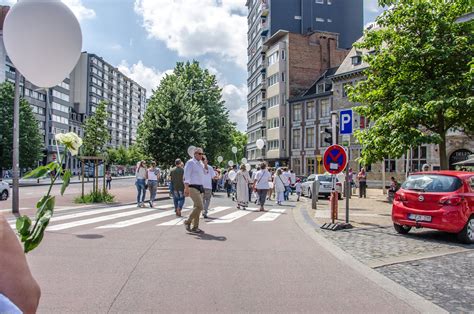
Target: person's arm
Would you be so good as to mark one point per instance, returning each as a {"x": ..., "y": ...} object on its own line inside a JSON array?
[
  {"x": 187, "y": 178},
  {"x": 16, "y": 281}
]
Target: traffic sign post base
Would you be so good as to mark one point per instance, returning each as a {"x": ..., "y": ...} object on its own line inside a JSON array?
[{"x": 336, "y": 226}]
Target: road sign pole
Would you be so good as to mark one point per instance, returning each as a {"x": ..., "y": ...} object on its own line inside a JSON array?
[
  {"x": 348, "y": 184},
  {"x": 333, "y": 127}
]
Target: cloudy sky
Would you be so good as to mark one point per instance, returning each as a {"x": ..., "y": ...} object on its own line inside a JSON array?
[{"x": 145, "y": 39}]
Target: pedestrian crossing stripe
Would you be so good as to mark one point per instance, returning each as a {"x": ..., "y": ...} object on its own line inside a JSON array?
[
  {"x": 139, "y": 220},
  {"x": 108, "y": 214}
]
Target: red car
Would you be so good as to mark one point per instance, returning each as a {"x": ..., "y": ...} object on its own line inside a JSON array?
[{"x": 442, "y": 200}]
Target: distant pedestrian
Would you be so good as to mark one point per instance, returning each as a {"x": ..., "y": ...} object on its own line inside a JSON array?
[
  {"x": 209, "y": 176},
  {"x": 242, "y": 181},
  {"x": 286, "y": 176},
  {"x": 108, "y": 180},
  {"x": 362, "y": 178},
  {"x": 140, "y": 183},
  {"x": 177, "y": 186},
  {"x": 214, "y": 180},
  {"x": 298, "y": 189},
  {"x": 193, "y": 179},
  {"x": 279, "y": 185},
  {"x": 153, "y": 177},
  {"x": 425, "y": 168},
  {"x": 261, "y": 185}
]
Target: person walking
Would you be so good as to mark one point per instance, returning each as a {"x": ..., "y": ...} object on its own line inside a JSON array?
[
  {"x": 286, "y": 177},
  {"x": 153, "y": 177},
  {"x": 177, "y": 186},
  {"x": 261, "y": 185},
  {"x": 279, "y": 185},
  {"x": 193, "y": 187},
  {"x": 242, "y": 181},
  {"x": 140, "y": 183},
  {"x": 298, "y": 189},
  {"x": 108, "y": 180},
  {"x": 362, "y": 178},
  {"x": 209, "y": 176}
]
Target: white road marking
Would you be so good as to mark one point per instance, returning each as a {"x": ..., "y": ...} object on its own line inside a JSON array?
[
  {"x": 138, "y": 220},
  {"x": 231, "y": 217},
  {"x": 180, "y": 220},
  {"x": 273, "y": 214},
  {"x": 98, "y": 219}
]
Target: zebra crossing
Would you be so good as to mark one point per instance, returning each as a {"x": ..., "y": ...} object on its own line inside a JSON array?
[{"x": 126, "y": 216}]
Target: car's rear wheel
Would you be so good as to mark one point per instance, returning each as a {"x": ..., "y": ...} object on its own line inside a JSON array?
[
  {"x": 310, "y": 195},
  {"x": 401, "y": 229},
  {"x": 4, "y": 195},
  {"x": 467, "y": 233}
]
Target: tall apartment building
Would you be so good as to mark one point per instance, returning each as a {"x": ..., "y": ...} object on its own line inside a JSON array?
[
  {"x": 289, "y": 18},
  {"x": 95, "y": 80}
]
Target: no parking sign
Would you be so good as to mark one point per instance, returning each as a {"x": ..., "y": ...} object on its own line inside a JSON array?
[{"x": 335, "y": 159}]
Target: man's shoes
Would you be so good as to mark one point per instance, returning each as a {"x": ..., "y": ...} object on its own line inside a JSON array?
[
  {"x": 196, "y": 230},
  {"x": 187, "y": 225},
  {"x": 204, "y": 216}
]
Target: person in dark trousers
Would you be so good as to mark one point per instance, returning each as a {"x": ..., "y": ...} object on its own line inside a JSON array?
[
  {"x": 108, "y": 180},
  {"x": 362, "y": 177},
  {"x": 177, "y": 186}
]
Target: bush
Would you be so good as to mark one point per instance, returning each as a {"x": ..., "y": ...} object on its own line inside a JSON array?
[{"x": 95, "y": 197}]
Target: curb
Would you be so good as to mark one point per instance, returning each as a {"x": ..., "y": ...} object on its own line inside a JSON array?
[{"x": 420, "y": 304}]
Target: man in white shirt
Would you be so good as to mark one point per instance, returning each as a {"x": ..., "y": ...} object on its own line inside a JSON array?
[
  {"x": 193, "y": 187},
  {"x": 209, "y": 174}
]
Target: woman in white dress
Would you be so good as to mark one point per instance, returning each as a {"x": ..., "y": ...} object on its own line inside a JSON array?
[
  {"x": 279, "y": 186},
  {"x": 242, "y": 180}
]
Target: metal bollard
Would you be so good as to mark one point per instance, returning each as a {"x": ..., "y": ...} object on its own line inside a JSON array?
[{"x": 315, "y": 193}]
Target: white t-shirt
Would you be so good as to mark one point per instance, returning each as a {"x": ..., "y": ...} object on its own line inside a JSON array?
[
  {"x": 153, "y": 174},
  {"x": 208, "y": 175},
  {"x": 262, "y": 178},
  {"x": 287, "y": 176}
]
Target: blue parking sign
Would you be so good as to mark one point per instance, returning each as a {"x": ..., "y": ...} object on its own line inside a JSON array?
[{"x": 345, "y": 121}]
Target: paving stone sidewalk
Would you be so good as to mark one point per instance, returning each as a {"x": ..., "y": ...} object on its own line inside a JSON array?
[{"x": 433, "y": 264}]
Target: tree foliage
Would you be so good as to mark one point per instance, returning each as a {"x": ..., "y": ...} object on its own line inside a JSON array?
[
  {"x": 125, "y": 156},
  {"x": 419, "y": 81},
  {"x": 186, "y": 109},
  {"x": 96, "y": 133},
  {"x": 31, "y": 141},
  {"x": 239, "y": 140}
]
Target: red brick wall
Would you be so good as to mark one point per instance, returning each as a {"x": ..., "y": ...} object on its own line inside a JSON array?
[
  {"x": 309, "y": 56},
  {"x": 3, "y": 14}
]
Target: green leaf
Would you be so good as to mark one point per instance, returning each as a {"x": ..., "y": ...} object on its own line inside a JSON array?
[
  {"x": 38, "y": 232},
  {"x": 66, "y": 179},
  {"x": 54, "y": 166},
  {"x": 23, "y": 225},
  {"x": 46, "y": 203},
  {"x": 39, "y": 172}
]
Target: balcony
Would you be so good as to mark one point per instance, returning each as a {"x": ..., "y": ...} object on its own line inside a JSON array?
[{"x": 264, "y": 11}]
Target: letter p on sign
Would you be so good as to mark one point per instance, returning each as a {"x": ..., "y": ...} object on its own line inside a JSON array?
[{"x": 345, "y": 121}]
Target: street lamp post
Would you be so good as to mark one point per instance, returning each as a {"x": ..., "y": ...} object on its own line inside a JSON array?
[{"x": 16, "y": 146}]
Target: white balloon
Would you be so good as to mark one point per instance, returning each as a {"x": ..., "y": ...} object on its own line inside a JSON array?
[
  {"x": 230, "y": 163},
  {"x": 248, "y": 167},
  {"x": 260, "y": 143},
  {"x": 220, "y": 159},
  {"x": 243, "y": 160},
  {"x": 234, "y": 150},
  {"x": 232, "y": 175},
  {"x": 43, "y": 39},
  {"x": 191, "y": 150}
]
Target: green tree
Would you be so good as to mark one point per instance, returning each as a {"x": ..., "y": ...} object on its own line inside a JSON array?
[
  {"x": 96, "y": 133},
  {"x": 204, "y": 92},
  {"x": 419, "y": 82},
  {"x": 172, "y": 122},
  {"x": 31, "y": 142}
]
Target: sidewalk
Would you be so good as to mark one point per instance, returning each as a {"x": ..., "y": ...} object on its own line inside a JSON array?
[{"x": 45, "y": 181}]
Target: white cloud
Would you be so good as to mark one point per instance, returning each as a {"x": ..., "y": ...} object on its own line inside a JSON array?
[
  {"x": 236, "y": 102},
  {"x": 199, "y": 27},
  {"x": 148, "y": 77},
  {"x": 76, "y": 6},
  {"x": 372, "y": 6}
]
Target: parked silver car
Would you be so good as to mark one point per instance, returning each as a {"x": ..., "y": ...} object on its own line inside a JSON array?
[
  {"x": 4, "y": 190},
  {"x": 325, "y": 185}
]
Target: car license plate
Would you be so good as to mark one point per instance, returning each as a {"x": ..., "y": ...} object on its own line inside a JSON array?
[
  {"x": 327, "y": 186},
  {"x": 419, "y": 217}
]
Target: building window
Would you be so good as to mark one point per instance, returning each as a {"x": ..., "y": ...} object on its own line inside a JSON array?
[
  {"x": 329, "y": 20},
  {"x": 320, "y": 88},
  {"x": 273, "y": 123},
  {"x": 273, "y": 101},
  {"x": 283, "y": 54},
  {"x": 297, "y": 112},
  {"x": 418, "y": 158},
  {"x": 320, "y": 1},
  {"x": 273, "y": 58},
  {"x": 297, "y": 17},
  {"x": 325, "y": 108},
  {"x": 310, "y": 110},
  {"x": 309, "y": 138},
  {"x": 282, "y": 144},
  {"x": 282, "y": 76},
  {"x": 272, "y": 80},
  {"x": 319, "y": 19},
  {"x": 273, "y": 144},
  {"x": 59, "y": 107},
  {"x": 296, "y": 165},
  {"x": 296, "y": 139},
  {"x": 390, "y": 165},
  {"x": 356, "y": 60},
  {"x": 310, "y": 166},
  {"x": 282, "y": 121}
]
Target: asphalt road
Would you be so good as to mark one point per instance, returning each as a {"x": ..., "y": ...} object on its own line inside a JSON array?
[{"x": 130, "y": 260}]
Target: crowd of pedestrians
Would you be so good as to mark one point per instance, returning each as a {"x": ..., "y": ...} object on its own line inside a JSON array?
[{"x": 199, "y": 180}]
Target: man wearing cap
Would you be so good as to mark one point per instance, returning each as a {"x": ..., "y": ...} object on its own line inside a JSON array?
[{"x": 193, "y": 187}]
